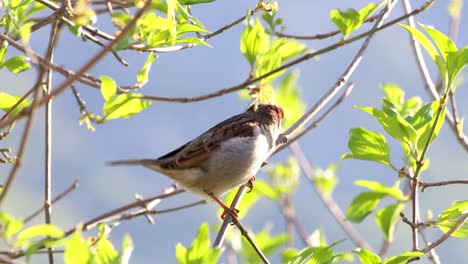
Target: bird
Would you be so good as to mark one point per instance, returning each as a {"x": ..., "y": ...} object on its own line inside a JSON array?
[{"x": 224, "y": 157}]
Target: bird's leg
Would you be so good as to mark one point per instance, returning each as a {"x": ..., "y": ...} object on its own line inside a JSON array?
[
  {"x": 227, "y": 210},
  {"x": 250, "y": 183}
]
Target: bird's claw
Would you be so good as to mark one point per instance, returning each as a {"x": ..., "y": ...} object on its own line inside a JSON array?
[{"x": 250, "y": 183}]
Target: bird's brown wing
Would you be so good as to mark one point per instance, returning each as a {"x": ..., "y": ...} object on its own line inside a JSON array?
[{"x": 197, "y": 151}]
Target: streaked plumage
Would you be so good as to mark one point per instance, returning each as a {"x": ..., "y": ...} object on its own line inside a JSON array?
[{"x": 225, "y": 156}]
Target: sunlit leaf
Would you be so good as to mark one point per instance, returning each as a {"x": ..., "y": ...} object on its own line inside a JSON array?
[
  {"x": 8, "y": 101},
  {"x": 77, "y": 250},
  {"x": 403, "y": 258},
  {"x": 108, "y": 88},
  {"x": 387, "y": 218},
  {"x": 124, "y": 106},
  {"x": 362, "y": 205},
  {"x": 254, "y": 41},
  {"x": 378, "y": 187},
  {"x": 142, "y": 76},
  {"x": 368, "y": 145},
  {"x": 367, "y": 257},
  {"x": 455, "y": 210},
  {"x": 461, "y": 232},
  {"x": 17, "y": 64},
  {"x": 351, "y": 19},
  {"x": 10, "y": 225}
]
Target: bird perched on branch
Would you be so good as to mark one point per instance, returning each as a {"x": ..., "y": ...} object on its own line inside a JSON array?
[{"x": 224, "y": 157}]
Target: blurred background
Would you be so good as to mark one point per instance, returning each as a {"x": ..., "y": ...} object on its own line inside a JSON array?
[{"x": 81, "y": 154}]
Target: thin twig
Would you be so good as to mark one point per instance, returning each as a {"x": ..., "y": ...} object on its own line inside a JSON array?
[
  {"x": 444, "y": 237},
  {"x": 425, "y": 185},
  {"x": 219, "y": 92},
  {"x": 429, "y": 85},
  {"x": 48, "y": 133},
  {"x": 339, "y": 84},
  {"x": 291, "y": 218},
  {"x": 319, "y": 36},
  {"x": 331, "y": 205},
  {"x": 88, "y": 65},
  {"x": 218, "y": 242},
  {"x": 53, "y": 201},
  {"x": 319, "y": 120},
  {"x": 24, "y": 139}
]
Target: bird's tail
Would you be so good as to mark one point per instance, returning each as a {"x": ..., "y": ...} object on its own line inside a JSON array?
[{"x": 143, "y": 162}]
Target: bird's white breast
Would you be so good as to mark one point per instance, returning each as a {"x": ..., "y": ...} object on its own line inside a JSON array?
[{"x": 232, "y": 164}]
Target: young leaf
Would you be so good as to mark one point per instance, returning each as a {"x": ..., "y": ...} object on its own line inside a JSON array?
[
  {"x": 17, "y": 64},
  {"x": 394, "y": 94},
  {"x": 8, "y": 101},
  {"x": 323, "y": 254},
  {"x": 395, "y": 125},
  {"x": 3, "y": 51},
  {"x": 254, "y": 41},
  {"x": 10, "y": 225},
  {"x": 368, "y": 145},
  {"x": 200, "y": 250},
  {"x": 424, "y": 127},
  {"x": 108, "y": 88},
  {"x": 142, "y": 76},
  {"x": 423, "y": 40},
  {"x": 326, "y": 180},
  {"x": 446, "y": 225},
  {"x": 454, "y": 211},
  {"x": 443, "y": 43},
  {"x": 377, "y": 187},
  {"x": 367, "y": 257},
  {"x": 39, "y": 231},
  {"x": 351, "y": 19},
  {"x": 387, "y": 218},
  {"x": 105, "y": 252},
  {"x": 124, "y": 106},
  {"x": 126, "y": 250},
  {"x": 362, "y": 205},
  {"x": 77, "y": 250},
  {"x": 403, "y": 258},
  {"x": 194, "y": 2}
]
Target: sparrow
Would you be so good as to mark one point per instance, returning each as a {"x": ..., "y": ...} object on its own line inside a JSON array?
[{"x": 222, "y": 158}]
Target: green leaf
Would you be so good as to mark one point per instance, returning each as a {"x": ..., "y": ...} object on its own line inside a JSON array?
[
  {"x": 326, "y": 180},
  {"x": 403, "y": 258},
  {"x": 446, "y": 225},
  {"x": 394, "y": 94},
  {"x": 395, "y": 125},
  {"x": 362, "y": 205},
  {"x": 284, "y": 176},
  {"x": 367, "y": 257},
  {"x": 443, "y": 43},
  {"x": 3, "y": 51},
  {"x": 455, "y": 210},
  {"x": 322, "y": 255},
  {"x": 200, "y": 251},
  {"x": 351, "y": 19},
  {"x": 421, "y": 118},
  {"x": 423, "y": 40},
  {"x": 425, "y": 128},
  {"x": 39, "y": 231},
  {"x": 377, "y": 187},
  {"x": 368, "y": 145},
  {"x": 254, "y": 41},
  {"x": 108, "y": 88},
  {"x": 10, "y": 225},
  {"x": 456, "y": 61},
  {"x": 387, "y": 218},
  {"x": 126, "y": 250},
  {"x": 196, "y": 41},
  {"x": 8, "y": 101},
  {"x": 105, "y": 252},
  {"x": 189, "y": 28},
  {"x": 17, "y": 64},
  {"x": 124, "y": 106},
  {"x": 181, "y": 253},
  {"x": 77, "y": 250},
  {"x": 142, "y": 76}
]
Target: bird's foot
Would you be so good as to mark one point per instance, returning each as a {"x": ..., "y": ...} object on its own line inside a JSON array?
[
  {"x": 233, "y": 212},
  {"x": 250, "y": 183}
]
